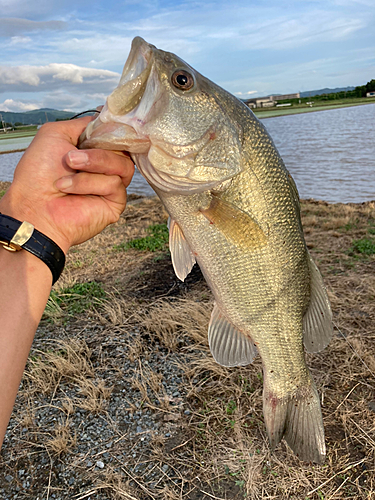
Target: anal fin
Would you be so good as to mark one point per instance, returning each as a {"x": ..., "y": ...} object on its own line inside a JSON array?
[
  {"x": 183, "y": 258},
  {"x": 317, "y": 322},
  {"x": 228, "y": 345}
]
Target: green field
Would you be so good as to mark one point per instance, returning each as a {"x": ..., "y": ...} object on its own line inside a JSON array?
[{"x": 17, "y": 134}]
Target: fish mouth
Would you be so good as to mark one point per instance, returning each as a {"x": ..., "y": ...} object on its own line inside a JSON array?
[
  {"x": 133, "y": 81},
  {"x": 110, "y": 130}
]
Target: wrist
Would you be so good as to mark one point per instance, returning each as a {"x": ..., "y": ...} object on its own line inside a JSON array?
[{"x": 23, "y": 211}]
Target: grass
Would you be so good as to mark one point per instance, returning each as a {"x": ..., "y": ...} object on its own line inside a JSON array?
[
  {"x": 29, "y": 131},
  {"x": 74, "y": 300},
  {"x": 364, "y": 246},
  {"x": 155, "y": 241},
  {"x": 2, "y": 192},
  {"x": 211, "y": 436}
]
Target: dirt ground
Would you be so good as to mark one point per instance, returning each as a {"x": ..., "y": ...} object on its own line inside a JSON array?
[{"x": 121, "y": 328}]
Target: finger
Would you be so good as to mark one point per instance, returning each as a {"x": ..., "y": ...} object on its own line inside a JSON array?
[
  {"x": 102, "y": 162},
  {"x": 83, "y": 183}
]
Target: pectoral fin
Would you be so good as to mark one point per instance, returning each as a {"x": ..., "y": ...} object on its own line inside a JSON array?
[
  {"x": 183, "y": 258},
  {"x": 228, "y": 345},
  {"x": 237, "y": 226},
  {"x": 317, "y": 322}
]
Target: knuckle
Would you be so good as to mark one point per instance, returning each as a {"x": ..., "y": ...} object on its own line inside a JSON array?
[
  {"x": 47, "y": 127},
  {"x": 98, "y": 156}
]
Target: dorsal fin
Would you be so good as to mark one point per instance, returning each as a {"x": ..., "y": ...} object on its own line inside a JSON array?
[
  {"x": 183, "y": 258},
  {"x": 317, "y": 322},
  {"x": 228, "y": 345}
]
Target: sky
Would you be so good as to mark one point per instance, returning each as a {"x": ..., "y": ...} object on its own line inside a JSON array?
[{"x": 69, "y": 54}]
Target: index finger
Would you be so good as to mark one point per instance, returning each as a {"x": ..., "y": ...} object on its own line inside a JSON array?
[{"x": 101, "y": 161}]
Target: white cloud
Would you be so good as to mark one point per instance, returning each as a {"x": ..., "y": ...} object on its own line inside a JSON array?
[
  {"x": 18, "y": 106},
  {"x": 250, "y": 92},
  {"x": 291, "y": 33},
  {"x": 20, "y": 40},
  {"x": 54, "y": 76},
  {"x": 12, "y": 26}
]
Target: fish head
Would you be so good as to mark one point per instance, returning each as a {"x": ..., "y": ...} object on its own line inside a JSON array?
[{"x": 176, "y": 123}]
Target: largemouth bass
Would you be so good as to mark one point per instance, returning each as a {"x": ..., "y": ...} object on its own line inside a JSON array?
[{"x": 234, "y": 209}]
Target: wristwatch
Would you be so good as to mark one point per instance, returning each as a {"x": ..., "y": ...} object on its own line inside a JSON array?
[{"x": 16, "y": 235}]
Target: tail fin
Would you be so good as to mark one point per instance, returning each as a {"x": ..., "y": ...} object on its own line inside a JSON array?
[{"x": 297, "y": 417}]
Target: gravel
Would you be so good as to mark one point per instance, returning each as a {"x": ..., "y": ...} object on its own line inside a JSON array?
[{"x": 122, "y": 443}]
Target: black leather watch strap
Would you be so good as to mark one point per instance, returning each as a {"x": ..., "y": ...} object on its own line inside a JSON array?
[{"x": 38, "y": 244}]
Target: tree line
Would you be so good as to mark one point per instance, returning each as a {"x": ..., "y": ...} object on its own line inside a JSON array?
[{"x": 358, "y": 92}]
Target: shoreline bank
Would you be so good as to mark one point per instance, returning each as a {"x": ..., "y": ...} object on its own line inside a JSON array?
[
  {"x": 13, "y": 151},
  {"x": 275, "y": 112}
]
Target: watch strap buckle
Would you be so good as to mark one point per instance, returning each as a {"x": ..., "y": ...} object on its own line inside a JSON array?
[{"x": 21, "y": 236}]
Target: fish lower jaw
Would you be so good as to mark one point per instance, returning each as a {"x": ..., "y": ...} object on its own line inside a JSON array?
[{"x": 115, "y": 136}]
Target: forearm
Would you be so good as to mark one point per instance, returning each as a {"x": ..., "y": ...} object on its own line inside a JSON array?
[
  {"x": 68, "y": 196},
  {"x": 25, "y": 284}
]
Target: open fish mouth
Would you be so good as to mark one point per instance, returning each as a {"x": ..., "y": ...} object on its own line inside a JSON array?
[
  {"x": 133, "y": 80},
  {"x": 109, "y": 130}
]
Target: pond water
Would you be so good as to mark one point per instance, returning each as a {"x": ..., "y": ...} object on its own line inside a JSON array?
[{"x": 330, "y": 154}]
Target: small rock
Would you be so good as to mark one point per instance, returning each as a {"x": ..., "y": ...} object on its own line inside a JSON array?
[
  {"x": 165, "y": 468},
  {"x": 100, "y": 464},
  {"x": 371, "y": 405},
  {"x": 187, "y": 412},
  {"x": 9, "y": 478}
]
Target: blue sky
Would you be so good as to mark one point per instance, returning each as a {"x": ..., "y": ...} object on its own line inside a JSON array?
[{"x": 67, "y": 54}]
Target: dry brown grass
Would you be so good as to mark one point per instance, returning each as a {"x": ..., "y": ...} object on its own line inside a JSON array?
[
  {"x": 112, "y": 484},
  {"x": 62, "y": 440},
  {"x": 62, "y": 360},
  {"x": 168, "y": 321}
]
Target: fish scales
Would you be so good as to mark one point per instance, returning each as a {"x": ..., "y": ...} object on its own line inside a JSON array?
[{"x": 234, "y": 209}]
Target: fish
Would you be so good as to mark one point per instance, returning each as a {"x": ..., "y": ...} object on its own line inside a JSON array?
[{"x": 234, "y": 209}]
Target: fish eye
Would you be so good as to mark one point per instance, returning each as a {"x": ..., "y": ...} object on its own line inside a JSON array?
[{"x": 182, "y": 80}]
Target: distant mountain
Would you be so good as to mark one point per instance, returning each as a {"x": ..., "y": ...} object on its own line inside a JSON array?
[
  {"x": 36, "y": 116},
  {"x": 311, "y": 93}
]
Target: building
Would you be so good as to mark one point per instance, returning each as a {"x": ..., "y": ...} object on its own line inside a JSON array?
[{"x": 269, "y": 101}]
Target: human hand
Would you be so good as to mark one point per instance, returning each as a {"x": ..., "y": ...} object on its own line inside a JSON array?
[{"x": 70, "y": 195}]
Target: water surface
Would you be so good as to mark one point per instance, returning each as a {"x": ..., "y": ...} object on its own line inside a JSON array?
[
  {"x": 331, "y": 154},
  {"x": 11, "y": 144}
]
